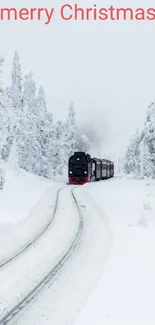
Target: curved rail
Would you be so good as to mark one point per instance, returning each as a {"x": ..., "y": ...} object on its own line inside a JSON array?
[
  {"x": 36, "y": 238},
  {"x": 18, "y": 308}
]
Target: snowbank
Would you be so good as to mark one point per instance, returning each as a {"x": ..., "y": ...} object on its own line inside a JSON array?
[
  {"x": 21, "y": 276},
  {"x": 125, "y": 293},
  {"x": 26, "y": 208},
  {"x": 60, "y": 300},
  {"x": 21, "y": 192}
]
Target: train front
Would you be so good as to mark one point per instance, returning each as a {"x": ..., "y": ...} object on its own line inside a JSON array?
[{"x": 78, "y": 169}]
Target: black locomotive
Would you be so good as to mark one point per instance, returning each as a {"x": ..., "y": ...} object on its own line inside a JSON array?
[{"x": 82, "y": 168}]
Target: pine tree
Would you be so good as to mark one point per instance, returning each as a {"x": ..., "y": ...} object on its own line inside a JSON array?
[
  {"x": 146, "y": 166},
  {"x": 13, "y": 156},
  {"x": 15, "y": 92},
  {"x": 58, "y": 158},
  {"x": 16, "y": 82},
  {"x": 28, "y": 146},
  {"x": 46, "y": 145},
  {"x": 140, "y": 155},
  {"x": 29, "y": 139},
  {"x": 149, "y": 141},
  {"x": 70, "y": 133},
  {"x": 44, "y": 122},
  {"x": 132, "y": 158},
  {"x": 5, "y": 127}
]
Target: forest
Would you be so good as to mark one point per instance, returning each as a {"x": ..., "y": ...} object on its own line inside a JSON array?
[
  {"x": 139, "y": 159},
  {"x": 30, "y": 139}
]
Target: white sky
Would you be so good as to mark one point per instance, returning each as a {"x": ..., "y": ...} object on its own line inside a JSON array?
[{"x": 107, "y": 68}]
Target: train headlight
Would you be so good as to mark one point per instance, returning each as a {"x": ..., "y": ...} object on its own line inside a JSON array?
[
  {"x": 70, "y": 172},
  {"x": 85, "y": 172}
]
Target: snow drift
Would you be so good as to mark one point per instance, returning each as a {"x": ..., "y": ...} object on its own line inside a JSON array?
[{"x": 27, "y": 204}]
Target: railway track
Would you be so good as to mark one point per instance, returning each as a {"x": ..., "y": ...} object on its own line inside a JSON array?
[
  {"x": 14, "y": 312},
  {"x": 30, "y": 243}
]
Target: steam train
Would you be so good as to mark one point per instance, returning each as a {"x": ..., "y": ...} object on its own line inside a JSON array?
[{"x": 83, "y": 169}]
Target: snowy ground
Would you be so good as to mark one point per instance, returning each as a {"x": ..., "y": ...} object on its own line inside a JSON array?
[
  {"x": 65, "y": 295},
  {"x": 26, "y": 206},
  {"x": 21, "y": 193},
  {"x": 34, "y": 264},
  {"x": 111, "y": 274},
  {"x": 125, "y": 293}
]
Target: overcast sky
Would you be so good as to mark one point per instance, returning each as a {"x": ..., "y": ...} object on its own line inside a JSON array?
[{"x": 107, "y": 68}]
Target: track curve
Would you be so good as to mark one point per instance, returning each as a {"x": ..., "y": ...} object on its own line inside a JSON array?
[
  {"x": 19, "y": 307},
  {"x": 37, "y": 237}
]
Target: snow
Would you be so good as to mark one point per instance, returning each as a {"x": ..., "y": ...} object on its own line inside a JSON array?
[
  {"x": 110, "y": 277},
  {"x": 21, "y": 192},
  {"x": 36, "y": 262},
  {"x": 59, "y": 301},
  {"x": 125, "y": 293},
  {"x": 26, "y": 207}
]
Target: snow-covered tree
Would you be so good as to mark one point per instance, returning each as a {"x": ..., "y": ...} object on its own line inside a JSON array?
[
  {"x": 29, "y": 138},
  {"x": 16, "y": 86},
  {"x": 60, "y": 159},
  {"x": 146, "y": 165},
  {"x": 13, "y": 156},
  {"x": 27, "y": 144},
  {"x": 46, "y": 146},
  {"x": 5, "y": 127},
  {"x": 44, "y": 123},
  {"x": 149, "y": 142},
  {"x": 41, "y": 102},
  {"x": 15, "y": 92},
  {"x": 70, "y": 133},
  {"x": 140, "y": 155},
  {"x": 132, "y": 157}
]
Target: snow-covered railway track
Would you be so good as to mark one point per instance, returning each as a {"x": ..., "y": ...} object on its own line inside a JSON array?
[
  {"x": 34, "y": 240},
  {"x": 15, "y": 311}
]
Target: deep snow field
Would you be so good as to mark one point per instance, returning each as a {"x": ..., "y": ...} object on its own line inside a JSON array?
[
  {"x": 23, "y": 203},
  {"x": 125, "y": 293},
  {"x": 111, "y": 279},
  {"x": 21, "y": 192}
]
